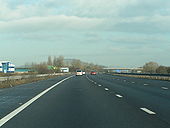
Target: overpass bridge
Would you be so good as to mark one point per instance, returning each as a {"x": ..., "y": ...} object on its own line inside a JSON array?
[{"x": 124, "y": 70}]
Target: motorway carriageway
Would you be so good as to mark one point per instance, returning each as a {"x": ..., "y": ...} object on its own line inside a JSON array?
[{"x": 89, "y": 101}]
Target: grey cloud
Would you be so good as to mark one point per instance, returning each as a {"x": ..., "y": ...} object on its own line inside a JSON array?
[
  {"x": 50, "y": 23},
  {"x": 146, "y": 8},
  {"x": 141, "y": 39}
]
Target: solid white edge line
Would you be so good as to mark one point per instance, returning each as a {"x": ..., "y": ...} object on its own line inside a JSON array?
[
  {"x": 119, "y": 96},
  {"x": 21, "y": 108},
  {"x": 148, "y": 111}
]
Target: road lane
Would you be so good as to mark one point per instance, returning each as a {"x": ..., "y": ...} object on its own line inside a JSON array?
[
  {"x": 152, "y": 96},
  {"x": 12, "y": 98},
  {"x": 25, "y": 105},
  {"x": 80, "y": 103}
]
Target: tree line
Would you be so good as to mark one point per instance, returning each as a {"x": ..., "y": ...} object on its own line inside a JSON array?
[
  {"x": 153, "y": 67},
  {"x": 53, "y": 65}
]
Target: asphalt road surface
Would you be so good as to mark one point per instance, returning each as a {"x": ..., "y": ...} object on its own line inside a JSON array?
[{"x": 89, "y": 101}]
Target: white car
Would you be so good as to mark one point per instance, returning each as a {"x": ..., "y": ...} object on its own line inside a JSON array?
[{"x": 79, "y": 72}]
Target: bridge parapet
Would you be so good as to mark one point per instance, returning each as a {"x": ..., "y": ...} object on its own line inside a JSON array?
[{"x": 124, "y": 70}]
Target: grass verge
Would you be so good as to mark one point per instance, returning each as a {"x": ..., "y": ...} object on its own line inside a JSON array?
[
  {"x": 12, "y": 83},
  {"x": 146, "y": 77}
]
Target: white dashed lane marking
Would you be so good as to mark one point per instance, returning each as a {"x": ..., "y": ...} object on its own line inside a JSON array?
[
  {"x": 146, "y": 84},
  {"x": 133, "y": 82},
  {"x": 119, "y": 96},
  {"x": 165, "y": 88},
  {"x": 106, "y": 89},
  {"x": 148, "y": 111}
]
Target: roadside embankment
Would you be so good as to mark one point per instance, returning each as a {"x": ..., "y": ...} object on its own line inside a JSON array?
[
  {"x": 6, "y": 82},
  {"x": 154, "y": 77}
]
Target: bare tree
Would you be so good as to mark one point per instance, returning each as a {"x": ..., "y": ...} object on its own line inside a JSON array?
[
  {"x": 54, "y": 65},
  {"x": 76, "y": 64},
  {"x": 150, "y": 67},
  {"x": 60, "y": 61},
  {"x": 55, "y": 61},
  {"x": 49, "y": 61},
  {"x": 41, "y": 68}
]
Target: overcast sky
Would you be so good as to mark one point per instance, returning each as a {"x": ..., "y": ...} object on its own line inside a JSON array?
[{"x": 118, "y": 33}]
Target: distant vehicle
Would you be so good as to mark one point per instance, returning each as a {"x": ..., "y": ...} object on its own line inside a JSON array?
[
  {"x": 79, "y": 72},
  {"x": 93, "y": 73},
  {"x": 65, "y": 70},
  {"x": 84, "y": 72}
]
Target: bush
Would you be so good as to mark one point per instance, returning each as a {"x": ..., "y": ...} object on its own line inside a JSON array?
[
  {"x": 150, "y": 67},
  {"x": 162, "y": 70},
  {"x": 42, "y": 69}
]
